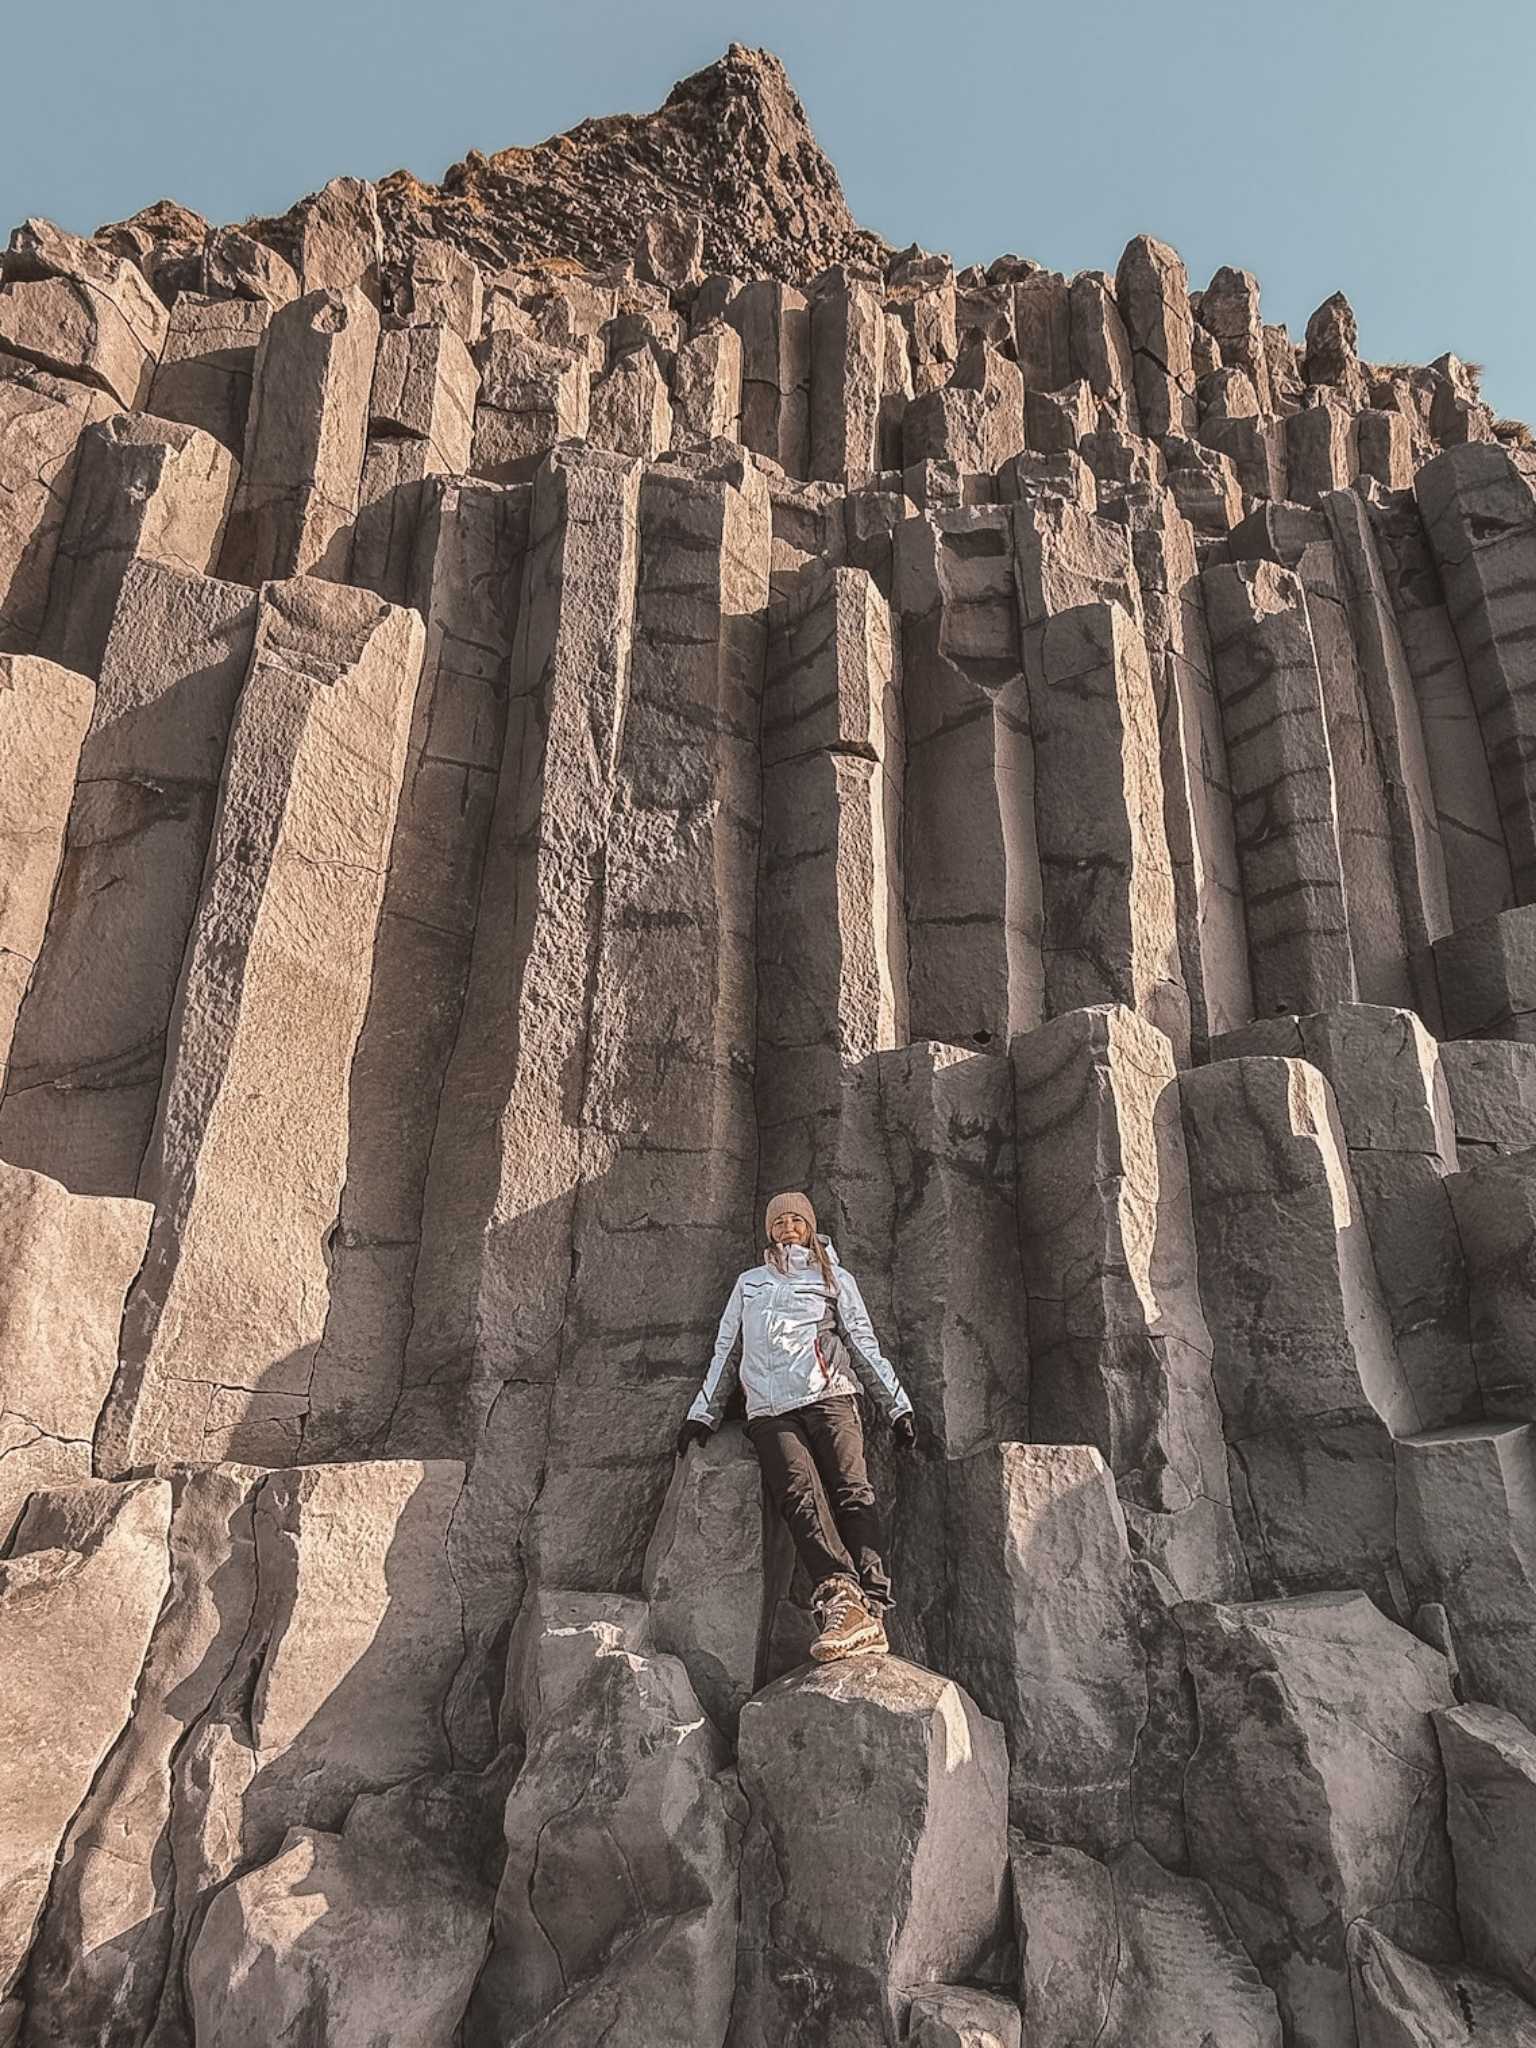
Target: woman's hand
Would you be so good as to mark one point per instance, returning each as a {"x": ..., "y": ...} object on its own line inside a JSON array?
[
  {"x": 904, "y": 1429},
  {"x": 692, "y": 1433}
]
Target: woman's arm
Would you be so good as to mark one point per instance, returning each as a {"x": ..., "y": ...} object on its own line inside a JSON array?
[
  {"x": 869, "y": 1362},
  {"x": 710, "y": 1401}
]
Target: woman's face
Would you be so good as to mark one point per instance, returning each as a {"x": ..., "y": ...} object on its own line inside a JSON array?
[{"x": 790, "y": 1230}]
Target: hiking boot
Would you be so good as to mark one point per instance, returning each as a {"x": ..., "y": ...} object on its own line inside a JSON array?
[{"x": 848, "y": 1627}]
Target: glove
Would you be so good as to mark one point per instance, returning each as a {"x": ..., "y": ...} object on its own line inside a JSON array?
[
  {"x": 692, "y": 1433},
  {"x": 904, "y": 1429}
]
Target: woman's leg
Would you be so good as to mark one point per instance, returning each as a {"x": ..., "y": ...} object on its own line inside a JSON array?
[
  {"x": 795, "y": 1488},
  {"x": 836, "y": 1438}
]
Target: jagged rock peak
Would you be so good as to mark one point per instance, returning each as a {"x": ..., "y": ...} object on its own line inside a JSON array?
[{"x": 731, "y": 144}]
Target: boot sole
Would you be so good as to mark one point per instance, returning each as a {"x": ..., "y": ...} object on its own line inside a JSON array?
[{"x": 868, "y": 1646}]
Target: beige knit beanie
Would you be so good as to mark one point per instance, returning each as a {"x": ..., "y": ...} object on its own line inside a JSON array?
[{"x": 789, "y": 1204}]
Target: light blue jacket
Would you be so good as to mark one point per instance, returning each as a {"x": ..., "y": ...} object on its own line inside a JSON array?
[{"x": 777, "y": 1316}]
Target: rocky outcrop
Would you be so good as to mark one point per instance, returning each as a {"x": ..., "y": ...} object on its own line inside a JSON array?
[
  {"x": 842, "y": 1920},
  {"x": 538, "y": 711}
]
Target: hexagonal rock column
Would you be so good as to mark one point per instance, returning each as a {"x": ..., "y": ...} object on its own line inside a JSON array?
[
  {"x": 1152, "y": 287},
  {"x": 126, "y": 1886},
  {"x": 831, "y": 926},
  {"x": 41, "y": 421},
  {"x": 89, "y": 1049},
  {"x": 669, "y": 1123},
  {"x": 249, "y": 1154},
  {"x": 297, "y": 498},
  {"x": 875, "y": 1859},
  {"x": 1487, "y": 977},
  {"x": 1128, "y": 1955},
  {"x": 1495, "y": 1208},
  {"x": 1043, "y": 1630},
  {"x": 847, "y": 379},
  {"x": 144, "y": 488},
  {"x": 531, "y": 396},
  {"x": 44, "y": 713},
  {"x": 1481, "y": 519},
  {"x": 1283, "y": 801},
  {"x": 204, "y": 375},
  {"x": 490, "y": 1285},
  {"x": 1466, "y": 1531},
  {"x": 1316, "y": 1795},
  {"x": 1120, "y": 1350},
  {"x": 974, "y": 900},
  {"x": 1109, "y": 931},
  {"x": 79, "y": 1593},
  {"x": 1490, "y": 1777},
  {"x": 1492, "y": 1086},
  {"x": 1395, "y": 1115},
  {"x": 1471, "y": 836},
  {"x": 1305, "y": 1369},
  {"x": 774, "y": 322},
  {"x": 66, "y": 1264},
  {"x": 1196, "y": 781},
  {"x": 616, "y": 1912},
  {"x": 467, "y": 580}
]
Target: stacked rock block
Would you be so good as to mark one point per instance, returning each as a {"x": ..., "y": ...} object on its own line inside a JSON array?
[{"x": 507, "y": 757}]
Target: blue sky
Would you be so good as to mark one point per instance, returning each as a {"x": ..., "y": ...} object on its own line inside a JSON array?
[{"x": 1378, "y": 148}]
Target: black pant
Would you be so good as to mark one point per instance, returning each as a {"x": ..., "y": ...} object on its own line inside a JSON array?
[{"x": 813, "y": 1467}]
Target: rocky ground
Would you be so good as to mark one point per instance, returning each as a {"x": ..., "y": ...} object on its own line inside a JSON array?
[{"x": 537, "y": 711}]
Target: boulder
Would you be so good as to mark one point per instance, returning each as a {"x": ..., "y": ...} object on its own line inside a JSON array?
[
  {"x": 1316, "y": 1796},
  {"x": 955, "y": 2016},
  {"x": 95, "y": 320},
  {"x": 372, "y": 1935},
  {"x": 617, "y": 1906},
  {"x": 1490, "y": 1782},
  {"x": 1128, "y": 1955},
  {"x": 877, "y": 1868},
  {"x": 1403, "y": 2002}
]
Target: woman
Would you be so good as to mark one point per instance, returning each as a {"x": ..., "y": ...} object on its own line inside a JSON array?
[{"x": 806, "y": 1343}]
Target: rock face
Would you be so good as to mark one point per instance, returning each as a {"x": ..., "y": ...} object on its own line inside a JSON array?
[{"x": 539, "y": 711}]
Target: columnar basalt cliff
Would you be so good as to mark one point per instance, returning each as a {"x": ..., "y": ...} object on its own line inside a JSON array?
[{"x": 537, "y": 711}]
